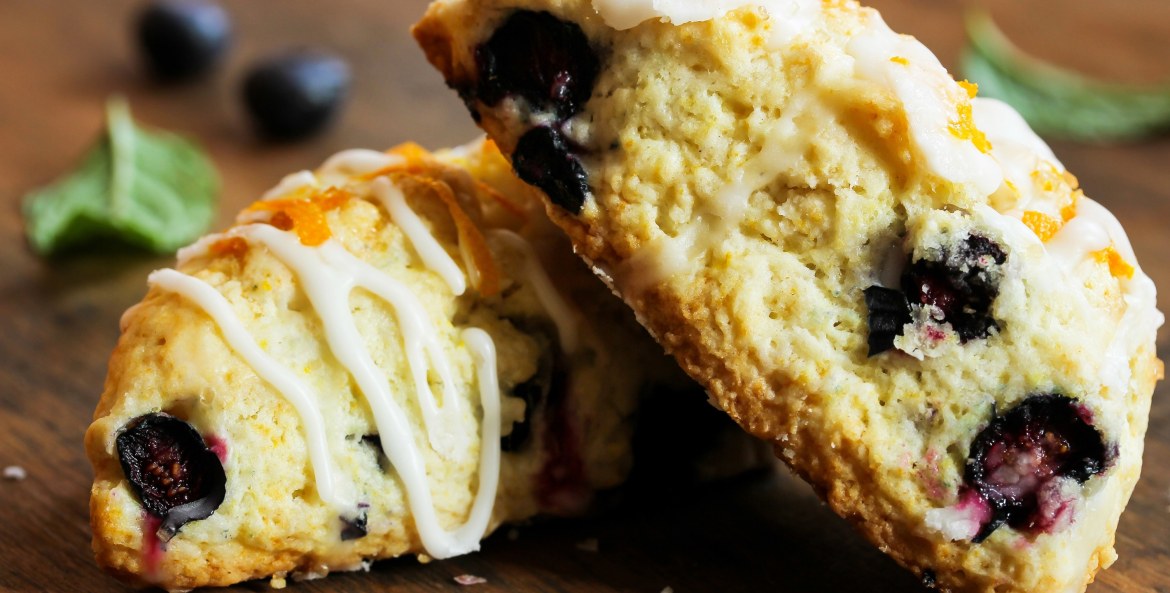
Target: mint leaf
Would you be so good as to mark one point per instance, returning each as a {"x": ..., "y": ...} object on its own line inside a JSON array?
[
  {"x": 1057, "y": 101},
  {"x": 149, "y": 189}
]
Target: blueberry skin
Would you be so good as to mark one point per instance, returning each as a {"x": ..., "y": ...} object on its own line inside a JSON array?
[
  {"x": 355, "y": 527},
  {"x": 182, "y": 39},
  {"x": 1052, "y": 431},
  {"x": 959, "y": 285},
  {"x": 964, "y": 296},
  {"x": 295, "y": 95},
  {"x": 543, "y": 158},
  {"x": 888, "y": 313},
  {"x": 537, "y": 56},
  {"x": 176, "y": 477}
]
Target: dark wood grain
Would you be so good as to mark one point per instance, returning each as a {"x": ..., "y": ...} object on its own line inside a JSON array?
[{"x": 60, "y": 59}]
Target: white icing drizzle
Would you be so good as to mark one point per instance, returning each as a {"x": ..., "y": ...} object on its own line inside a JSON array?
[
  {"x": 1078, "y": 238},
  {"x": 659, "y": 260},
  {"x": 536, "y": 277},
  {"x": 783, "y": 147},
  {"x": 782, "y": 150},
  {"x": 1094, "y": 228},
  {"x": 928, "y": 95},
  {"x": 789, "y": 18},
  {"x": 433, "y": 255},
  {"x": 291, "y": 183},
  {"x": 1020, "y": 152},
  {"x": 1009, "y": 134},
  {"x": 1027, "y": 163},
  {"x": 339, "y": 168},
  {"x": 329, "y": 274},
  {"x": 483, "y": 349},
  {"x": 199, "y": 248},
  {"x": 332, "y": 486},
  {"x": 899, "y": 63}
]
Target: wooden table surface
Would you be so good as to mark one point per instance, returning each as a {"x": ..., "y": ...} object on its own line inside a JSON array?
[{"x": 60, "y": 60}]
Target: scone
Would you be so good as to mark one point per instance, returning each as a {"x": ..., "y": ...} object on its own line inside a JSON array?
[
  {"x": 895, "y": 283},
  {"x": 391, "y": 355}
]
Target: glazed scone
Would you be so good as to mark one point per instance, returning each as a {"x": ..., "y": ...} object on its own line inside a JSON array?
[
  {"x": 895, "y": 283},
  {"x": 390, "y": 355}
]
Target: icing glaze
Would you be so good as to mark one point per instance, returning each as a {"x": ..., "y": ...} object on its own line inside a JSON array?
[
  {"x": 339, "y": 168},
  {"x": 433, "y": 255},
  {"x": 929, "y": 97},
  {"x": 789, "y": 18},
  {"x": 290, "y": 184},
  {"x": 1021, "y": 154}
]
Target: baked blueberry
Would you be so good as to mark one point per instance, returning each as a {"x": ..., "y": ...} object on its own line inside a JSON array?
[
  {"x": 961, "y": 285},
  {"x": 534, "y": 392},
  {"x": 543, "y": 158},
  {"x": 374, "y": 443},
  {"x": 541, "y": 58},
  {"x": 355, "y": 527},
  {"x": 295, "y": 95},
  {"x": 169, "y": 466},
  {"x": 1016, "y": 462},
  {"x": 888, "y": 313},
  {"x": 182, "y": 39},
  {"x": 957, "y": 286}
]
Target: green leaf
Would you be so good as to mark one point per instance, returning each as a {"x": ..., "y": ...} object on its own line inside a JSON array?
[
  {"x": 149, "y": 189},
  {"x": 1056, "y": 101}
]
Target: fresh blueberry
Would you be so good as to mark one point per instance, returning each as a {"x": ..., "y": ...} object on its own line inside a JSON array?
[
  {"x": 175, "y": 475},
  {"x": 543, "y": 158},
  {"x": 1017, "y": 460},
  {"x": 182, "y": 39},
  {"x": 295, "y": 95},
  {"x": 541, "y": 58}
]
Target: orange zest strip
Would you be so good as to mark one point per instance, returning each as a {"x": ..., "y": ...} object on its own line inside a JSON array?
[
  {"x": 900, "y": 60},
  {"x": 410, "y": 151},
  {"x": 472, "y": 244},
  {"x": 971, "y": 88},
  {"x": 964, "y": 129},
  {"x": 1117, "y": 264},
  {"x": 416, "y": 159},
  {"x": 512, "y": 207},
  {"x": 233, "y": 246},
  {"x": 1069, "y": 210},
  {"x": 471, "y": 241},
  {"x": 1042, "y": 224},
  {"x": 414, "y": 155},
  {"x": 304, "y": 216}
]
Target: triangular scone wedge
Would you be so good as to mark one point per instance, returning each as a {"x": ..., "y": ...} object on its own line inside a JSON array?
[
  {"x": 390, "y": 355},
  {"x": 895, "y": 283}
]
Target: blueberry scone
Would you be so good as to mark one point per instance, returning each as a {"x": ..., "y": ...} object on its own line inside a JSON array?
[
  {"x": 390, "y": 355},
  {"x": 894, "y": 282}
]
